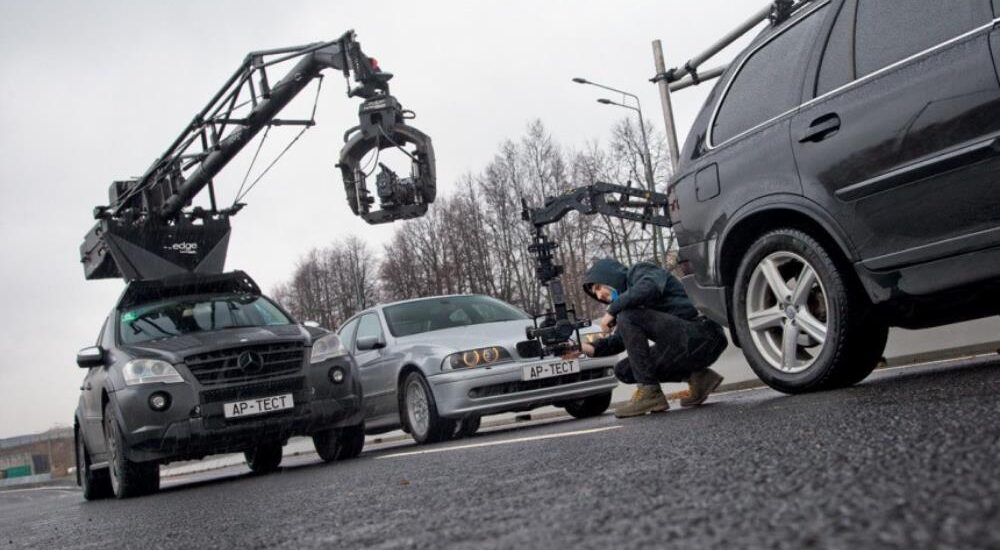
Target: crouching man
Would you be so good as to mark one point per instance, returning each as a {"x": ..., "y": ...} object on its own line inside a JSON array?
[{"x": 647, "y": 304}]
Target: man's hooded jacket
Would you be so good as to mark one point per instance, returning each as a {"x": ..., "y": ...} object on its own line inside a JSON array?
[{"x": 644, "y": 285}]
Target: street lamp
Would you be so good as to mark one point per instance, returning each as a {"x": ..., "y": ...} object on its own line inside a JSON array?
[{"x": 647, "y": 158}]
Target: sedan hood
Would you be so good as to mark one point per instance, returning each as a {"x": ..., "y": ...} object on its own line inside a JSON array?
[
  {"x": 176, "y": 348},
  {"x": 504, "y": 333}
]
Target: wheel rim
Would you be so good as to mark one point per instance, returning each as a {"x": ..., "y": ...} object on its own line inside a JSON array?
[
  {"x": 786, "y": 312},
  {"x": 417, "y": 408},
  {"x": 111, "y": 438}
]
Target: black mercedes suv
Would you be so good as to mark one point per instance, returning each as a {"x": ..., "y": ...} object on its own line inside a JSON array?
[
  {"x": 195, "y": 365},
  {"x": 843, "y": 177}
]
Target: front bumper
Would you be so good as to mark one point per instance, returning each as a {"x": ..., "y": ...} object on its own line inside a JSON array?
[
  {"x": 195, "y": 426},
  {"x": 492, "y": 390}
]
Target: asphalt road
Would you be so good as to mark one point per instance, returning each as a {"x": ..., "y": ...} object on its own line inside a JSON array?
[{"x": 908, "y": 459}]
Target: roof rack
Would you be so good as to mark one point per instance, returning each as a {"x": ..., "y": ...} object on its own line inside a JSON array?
[{"x": 678, "y": 78}]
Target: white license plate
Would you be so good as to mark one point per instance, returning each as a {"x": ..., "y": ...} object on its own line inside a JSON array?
[
  {"x": 548, "y": 370},
  {"x": 261, "y": 405}
]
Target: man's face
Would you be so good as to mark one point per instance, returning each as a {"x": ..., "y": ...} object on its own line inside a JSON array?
[{"x": 603, "y": 292}]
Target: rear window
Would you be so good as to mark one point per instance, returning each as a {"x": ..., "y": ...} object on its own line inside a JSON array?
[
  {"x": 888, "y": 32},
  {"x": 769, "y": 83},
  {"x": 443, "y": 313},
  {"x": 187, "y": 315}
]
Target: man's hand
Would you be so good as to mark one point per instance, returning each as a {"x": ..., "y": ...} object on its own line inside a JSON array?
[
  {"x": 577, "y": 352},
  {"x": 607, "y": 323}
]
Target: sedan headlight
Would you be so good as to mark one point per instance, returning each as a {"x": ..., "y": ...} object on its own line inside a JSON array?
[
  {"x": 150, "y": 371},
  {"x": 480, "y": 357},
  {"x": 327, "y": 347}
]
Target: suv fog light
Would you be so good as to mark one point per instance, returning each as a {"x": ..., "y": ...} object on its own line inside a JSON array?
[
  {"x": 337, "y": 375},
  {"x": 159, "y": 401}
]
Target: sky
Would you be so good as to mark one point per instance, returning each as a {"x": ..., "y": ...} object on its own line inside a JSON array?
[{"x": 91, "y": 92}]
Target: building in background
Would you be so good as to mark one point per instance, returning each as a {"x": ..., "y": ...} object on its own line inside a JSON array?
[{"x": 36, "y": 458}]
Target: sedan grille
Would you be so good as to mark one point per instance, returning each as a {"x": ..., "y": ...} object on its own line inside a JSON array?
[
  {"x": 247, "y": 363},
  {"x": 515, "y": 387},
  {"x": 261, "y": 389}
]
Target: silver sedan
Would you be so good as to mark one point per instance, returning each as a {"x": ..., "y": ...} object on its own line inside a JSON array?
[{"x": 435, "y": 366}]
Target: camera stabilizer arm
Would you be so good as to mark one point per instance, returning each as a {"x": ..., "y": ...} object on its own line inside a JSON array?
[{"x": 553, "y": 329}]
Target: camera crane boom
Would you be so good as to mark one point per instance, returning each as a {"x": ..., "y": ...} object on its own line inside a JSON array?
[{"x": 149, "y": 229}]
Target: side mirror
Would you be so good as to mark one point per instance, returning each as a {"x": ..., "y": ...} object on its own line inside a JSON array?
[
  {"x": 90, "y": 357},
  {"x": 370, "y": 342}
]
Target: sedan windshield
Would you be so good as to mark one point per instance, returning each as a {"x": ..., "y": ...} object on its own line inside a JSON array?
[
  {"x": 187, "y": 315},
  {"x": 441, "y": 313}
]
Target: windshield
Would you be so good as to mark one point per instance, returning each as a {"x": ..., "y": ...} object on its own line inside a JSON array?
[
  {"x": 186, "y": 315},
  {"x": 441, "y": 313}
]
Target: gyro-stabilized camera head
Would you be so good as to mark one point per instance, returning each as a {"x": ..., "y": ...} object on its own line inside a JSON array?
[{"x": 383, "y": 126}]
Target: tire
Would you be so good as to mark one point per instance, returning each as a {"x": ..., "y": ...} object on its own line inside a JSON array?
[
  {"x": 418, "y": 411},
  {"x": 340, "y": 443},
  {"x": 96, "y": 484},
  {"x": 822, "y": 337},
  {"x": 589, "y": 407},
  {"x": 468, "y": 426},
  {"x": 264, "y": 459},
  {"x": 128, "y": 479}
]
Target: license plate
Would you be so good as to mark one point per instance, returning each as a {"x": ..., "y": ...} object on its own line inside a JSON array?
[
  {"x": 260, "y": 405},
  {"x": 548, "y": 370}
]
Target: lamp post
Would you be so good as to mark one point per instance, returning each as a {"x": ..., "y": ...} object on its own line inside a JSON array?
[{"x": 646, "y": 156}]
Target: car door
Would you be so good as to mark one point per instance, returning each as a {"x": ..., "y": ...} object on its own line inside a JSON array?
[
  {"x": 898, "y": 138},
  {"x": 378, "y": 372},
  {"x": 90, "y": 393}
]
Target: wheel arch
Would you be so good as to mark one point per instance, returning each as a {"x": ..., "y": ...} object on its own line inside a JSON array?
[{"x": 774, "y": 212}]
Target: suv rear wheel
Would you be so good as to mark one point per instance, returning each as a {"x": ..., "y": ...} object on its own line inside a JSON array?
[
  {"x": 128, "y": 479},
  {"x": 340, "y": 443},
  {"x": 265, "y": 458},
  {"x": 804, "y": 324}
]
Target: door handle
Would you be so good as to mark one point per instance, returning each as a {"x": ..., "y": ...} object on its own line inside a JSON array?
[{"x": 821, "y": 128}]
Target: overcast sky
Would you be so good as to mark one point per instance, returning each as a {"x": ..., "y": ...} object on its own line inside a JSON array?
[{"x": 95, "y": 91}]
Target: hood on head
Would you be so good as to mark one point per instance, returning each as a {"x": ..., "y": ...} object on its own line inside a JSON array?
[{"x": 606, "y": 272}]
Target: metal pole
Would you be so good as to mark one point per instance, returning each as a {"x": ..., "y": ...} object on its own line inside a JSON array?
[
  {"x": 720, "y": 45},
  {"x": 668, "y": 110}
]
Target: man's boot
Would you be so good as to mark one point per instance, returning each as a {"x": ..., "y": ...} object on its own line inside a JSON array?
[
  {"x": 647, "y": 398},
  {"x": 700, "y": 384}
]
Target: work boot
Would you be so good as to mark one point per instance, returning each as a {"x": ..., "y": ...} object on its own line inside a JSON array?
[
  {"x": 647, "y": 398},
  {"x": 700, "y": 384}
]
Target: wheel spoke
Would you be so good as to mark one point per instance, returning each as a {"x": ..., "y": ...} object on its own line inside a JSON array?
[
  {"x": 789, "y": 346},
  {"x": 805, "y": 283},
  {"x": 766, "y": 318},
  {"x": 774, "y": 280},
  {"x": 812, "y": 326}
]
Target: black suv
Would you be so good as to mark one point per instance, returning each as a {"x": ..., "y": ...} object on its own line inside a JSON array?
[
  {"x": 843, "y": 177},
  {"x": 195, "y": 365}
]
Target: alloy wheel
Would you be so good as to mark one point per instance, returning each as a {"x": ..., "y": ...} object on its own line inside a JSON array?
[{"x": 787, "y": 312}]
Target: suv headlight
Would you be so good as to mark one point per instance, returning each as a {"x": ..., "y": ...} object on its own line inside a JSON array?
[
  {"x": 479, "y": 357},
  {"x": 150, "y": 371},
  {"x": 327, "y": 347}
]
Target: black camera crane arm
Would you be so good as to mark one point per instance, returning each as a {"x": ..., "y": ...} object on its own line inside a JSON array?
[
  {"x": 554, "y": 328},
  {"x": 148, "y": 229}
]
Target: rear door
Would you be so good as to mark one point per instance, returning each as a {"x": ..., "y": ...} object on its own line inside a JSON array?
[{"x": 897, "y": 140}]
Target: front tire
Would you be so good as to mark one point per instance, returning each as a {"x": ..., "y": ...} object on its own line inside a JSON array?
[
  {"x": 128, "y": 479},
  {"x": 589, "y": 407},
  {"x": 264, "y": 459},
  {"x": 96, "y": 484},
  {"x": 419, "y": 411},
  {"x": 340, "y": 443},
  {"x": 804, "y": 323}
]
